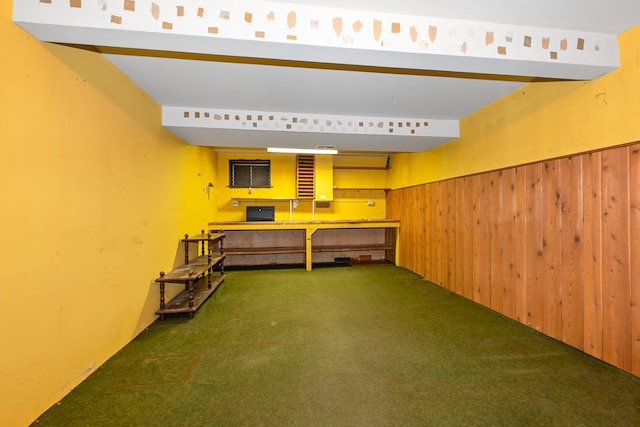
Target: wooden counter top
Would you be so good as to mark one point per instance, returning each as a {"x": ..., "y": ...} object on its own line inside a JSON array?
[{"x": 351, "y": 223}]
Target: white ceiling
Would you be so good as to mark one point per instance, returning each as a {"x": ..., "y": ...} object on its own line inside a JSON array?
[
  {"x": 259, "y": 85},
  {"x": 293, "y": 89}
]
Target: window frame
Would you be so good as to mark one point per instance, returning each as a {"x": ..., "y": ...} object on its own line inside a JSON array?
[{"x": 255, "y": 173}]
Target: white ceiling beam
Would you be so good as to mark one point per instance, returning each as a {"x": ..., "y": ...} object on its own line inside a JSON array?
[
  {"x": 292, "y": 129},
  {"x": 215, "y": 118},
  {"x": 320, "y": 34},
  {"x": 232, "y": 139}
]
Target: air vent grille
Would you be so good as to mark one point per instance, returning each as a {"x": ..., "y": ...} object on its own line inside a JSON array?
[{"x": 305, "y": 176}]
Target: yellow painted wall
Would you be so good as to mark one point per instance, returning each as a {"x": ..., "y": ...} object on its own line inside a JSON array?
[
  {"x": 357, "y": 171},
  {"x": 537, "y": 122},
  {"x": 352, "y": 204},
  {"x": 95, "y": 196}
]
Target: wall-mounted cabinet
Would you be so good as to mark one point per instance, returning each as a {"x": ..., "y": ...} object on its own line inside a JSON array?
[{"x": 324, "y": 177}]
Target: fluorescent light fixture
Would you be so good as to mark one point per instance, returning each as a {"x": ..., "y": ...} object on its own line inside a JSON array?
[{"x": 302, "y": 150}]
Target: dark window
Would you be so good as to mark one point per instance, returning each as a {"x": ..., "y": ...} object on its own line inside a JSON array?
[{"x": 249, "y": 173}]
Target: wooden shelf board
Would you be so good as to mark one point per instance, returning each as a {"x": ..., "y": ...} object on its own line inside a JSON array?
[
  {"x": 180, "y": 304},
  {"x": 349, "y": 248},
  {"x": 200, "y": 237},
  {"x": 294, "y": 250},
  {"x": 265, "y": 250},
  {"x": 199, "y": 265},
  {"x": 362, "y": 167},
  {"x": 361, "y": 188}
]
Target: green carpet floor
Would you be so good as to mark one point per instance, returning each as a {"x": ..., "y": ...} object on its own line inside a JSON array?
[{"x": 352, "y": 346}]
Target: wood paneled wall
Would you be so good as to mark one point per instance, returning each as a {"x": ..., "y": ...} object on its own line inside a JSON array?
[{"x": 554, "y": 245}]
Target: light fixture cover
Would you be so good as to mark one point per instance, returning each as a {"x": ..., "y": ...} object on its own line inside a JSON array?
[{"x": 301, "y": 150}]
